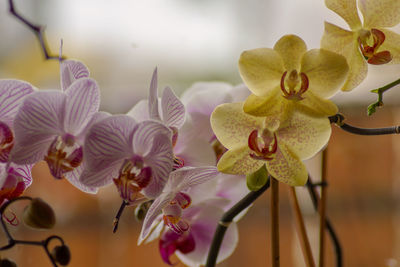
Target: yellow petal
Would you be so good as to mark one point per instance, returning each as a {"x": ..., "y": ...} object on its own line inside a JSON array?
[
  {"x": 304, "y": 134},
  {"x": 358, "y": 69},
  {"x": 316, "y": 106},
  {"x": 232, "y": 126},
  {"x": 380, "y": 13},
  {"x": 326, "y": 71},
  {"x": 338, "y": 40},
  {"x": 291, "y": 48},
  {"x": 391, "y": 44},
  {"x": 287, "y": 167},
  {"x": 271, "y": 104},
  {"x": 261, "y": 70},
  {"x": 238, "y": 161},
  {"x": 347, "y": 9}
]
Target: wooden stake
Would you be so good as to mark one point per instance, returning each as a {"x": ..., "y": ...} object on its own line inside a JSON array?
[
  {"x": 322, "y": 209},
  {"x": 301, "y": 230},
  {"x": 275, "y": 222}
]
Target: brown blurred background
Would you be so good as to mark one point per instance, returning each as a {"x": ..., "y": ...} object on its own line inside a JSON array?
[{"x": 122, "y": 41}]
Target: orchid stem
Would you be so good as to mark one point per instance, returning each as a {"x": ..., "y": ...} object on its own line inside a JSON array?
[
  {"x": 227, "y": 218},
  {"x": 336, "y": 243},
  {"x": 322, "y": 209},
  {"x": 118, "y": 216},
  {"x": 38, "y": 31},
  {"x": 339, "y": 118},
  {"x": 379, "y": 103},
  {"x": 301, "y": 230},
  {"x": 275, "y": 222}
]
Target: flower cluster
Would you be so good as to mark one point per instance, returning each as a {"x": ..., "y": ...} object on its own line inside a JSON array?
[{"x": 183, "y": 162}]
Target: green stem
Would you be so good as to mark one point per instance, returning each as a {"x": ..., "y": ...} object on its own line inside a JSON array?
[{"x": 372, "y": 108}]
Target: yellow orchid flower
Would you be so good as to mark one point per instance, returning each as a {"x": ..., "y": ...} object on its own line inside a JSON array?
[
  {"x": 254, "y": 141},
  {"x": 366, "y": 42},
  {"x": 289, "y": 77}
]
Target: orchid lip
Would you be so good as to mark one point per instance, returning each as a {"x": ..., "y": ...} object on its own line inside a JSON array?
[
  {"x": 370, "y": 51},
  {"x": 6, "y": 142},
  {"x": 263, "y": 151},
  {"x": 289, "y": 84}
]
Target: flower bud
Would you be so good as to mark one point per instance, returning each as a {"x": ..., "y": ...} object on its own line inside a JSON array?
[
  {"x": 7, "y": 263},
  {"x": 38, "y": 214},
  {"x": 257, "y": 179},
  {"x": 61, "y": 254},
  {"x": 141, "y": 210}
]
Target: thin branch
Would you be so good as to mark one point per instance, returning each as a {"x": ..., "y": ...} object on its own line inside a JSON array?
[
  {"x": 118, "y": 216},
  {"x": 227, "y": 218},
  {"x": 275, "y": 222},
  {"x": 338, "y": 119},
  {"x": 38, "y": 30},
  {"x": 322, "y": 208},
  {"x": 336, "y": 243},
  {"x": 301, "y": 230},
  {"x": 379, "y": 103}
]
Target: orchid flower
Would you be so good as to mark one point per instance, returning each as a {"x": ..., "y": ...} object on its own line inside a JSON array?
[
  {"x": 366, "y": 42},
  {"x": 173, "y": 199},
  {"x": 137, "y": 157},
  {"x": 51, "y": 125},
  {"x": 255, "y": 141},
  {"x": 288, "y": 77},
  {"x": 192, "y": 247},
  {"x": 14, "y": 179}
]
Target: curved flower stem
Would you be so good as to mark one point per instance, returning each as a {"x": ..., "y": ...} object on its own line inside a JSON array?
[
  {"x": 336, "y": 243},
  {"x": 301, "y": 230},
  {"x": 372, "y": 108},
  {"x": 339, "y": 118},
  {"x": 38, "y": 31},
  {"x": 227, "y": 218},
  {"x": 322, "y": 208},
  {"x": 275, "y": 222},
  {"x": 118, "y": 216},
  {"x": 12, "y": 242}
]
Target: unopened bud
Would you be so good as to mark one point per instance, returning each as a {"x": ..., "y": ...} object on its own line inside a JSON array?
[
  {"x": 7, "y": 263},
  {"x": 61, "y": 254},
  {"x": 38, "y": 214},
  {"x": 257, "y": 179},
  {"x": 141, "y": 210}
]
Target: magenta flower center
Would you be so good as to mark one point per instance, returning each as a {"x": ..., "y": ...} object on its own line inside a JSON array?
[
  {"x": 264, "y": 147},
  {"x": 173, "y": 212},
  {"x": 133, "y": 177},
  {"x": 6, "y": 142},
  {"x": 13, "y": 186},
  {"x": 63, "y": 155},
  {"x": 294, "y": 85}
]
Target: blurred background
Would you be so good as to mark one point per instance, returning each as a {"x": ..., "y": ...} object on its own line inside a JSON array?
[{"x": 191, "y": 40}]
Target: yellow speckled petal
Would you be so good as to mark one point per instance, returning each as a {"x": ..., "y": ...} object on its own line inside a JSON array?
[
  {"x": 304, "y": 134},
  {"x": 380, "y": 13},
  {"x": 291, "y": 48},
  {"x": 238, "y": 161},
  {"x": 326, "y": 71},
  {"x": 347, "y": 9},
  {"x": 287, "y": 167},
  {"x": 316, "y": 106},
  {"x": 358, "y": 69},
  {"x": 232, "y": 126},
  {"x": 392, "y": 44},
  {"x": 338, "y": 40},
  {"x": 261, "y": 69},
  {"x": 271, "y": 104}
]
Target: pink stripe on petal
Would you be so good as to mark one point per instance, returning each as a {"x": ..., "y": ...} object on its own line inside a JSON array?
[
  {"x": 31, "y": 151},
  {"x": 108, "y": 141},
  {"x": 83, "y": 101},
  {"x": 73, "y": 178},
  {"x": 173, "y": 111},
  {"x": 12, "y": 93},
  {"x": 94, "y": 178},
  {"x": 153, "y": 98},
  {"x": 186, "y": 177},
  {"x": 70, "y": 71},
  {"x": 146, "y": 131}
]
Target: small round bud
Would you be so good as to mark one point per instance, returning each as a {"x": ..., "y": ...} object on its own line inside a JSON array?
[
  {"x": 38, "y": 214},
  {"x": 7, "y": 263},
  {"x": 61, "y": 254},
  {"x": 141, "y": 210},
  {"x": 257, "y": 179}
]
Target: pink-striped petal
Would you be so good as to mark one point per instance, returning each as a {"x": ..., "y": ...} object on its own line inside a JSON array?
[
  {"x": 73, "y": 177},
  {"x": 153, "y": 98},
  {"x": 186, "y": 177},
  {"x": 23, "y": 171},
  {"x": 173, "y": 111},
  {"x": 153, "y": 212},
  {"x": 140, "y": 112},
  {"x": 142, "y": 141},
  {"x": 109, "y": 141},
  {"x": 82, "y": 102},
  {"x": 70, "y": 71},
  {"x": 93, "y": 178},
  {"x": 97, "y": 117},
  {"x": 12, "y": 92},
  {"x": 160, "y": 160}
]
